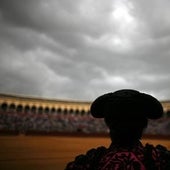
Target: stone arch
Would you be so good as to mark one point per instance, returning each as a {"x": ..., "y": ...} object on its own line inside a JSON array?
[
  {"x": 65, "y": 111},
  {"x": 53, "y": 110},
  {"x": 4, "y": 106},
  {"x": 40, "y": 109},
  {"x": 12, "y": 107},
  {"x": 168, "y": 113},
  {"x": 77, "y": 111},
  {"x": 33, "y": 109},
  {"x": 19, "y": 108},
  {"x": 71, "y": 111},
  {"x": 27, "y": 109},
  {"x": 59, "y": 110},
  {"x": 46, "y": 110},
  {"x": 82, "y": 112}
]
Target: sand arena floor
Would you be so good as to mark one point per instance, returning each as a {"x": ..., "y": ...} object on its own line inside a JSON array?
[{"x": 49, "y": 152}]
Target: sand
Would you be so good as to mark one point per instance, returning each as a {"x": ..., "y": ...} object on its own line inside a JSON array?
[{"x": 49, "y": 152}]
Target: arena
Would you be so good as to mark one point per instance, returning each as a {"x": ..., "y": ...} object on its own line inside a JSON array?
[
  {"x": 46, "y": 134},
  {"x": 49, "y": 152}
]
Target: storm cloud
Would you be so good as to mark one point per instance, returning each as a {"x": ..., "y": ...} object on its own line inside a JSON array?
[{"x": 79, "y": 49}]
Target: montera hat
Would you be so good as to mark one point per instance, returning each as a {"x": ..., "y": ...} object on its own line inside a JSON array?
[{"x": 127, "y": 103}]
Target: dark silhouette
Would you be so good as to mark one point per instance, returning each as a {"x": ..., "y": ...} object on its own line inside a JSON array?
[{"x": 126, "y": 113}]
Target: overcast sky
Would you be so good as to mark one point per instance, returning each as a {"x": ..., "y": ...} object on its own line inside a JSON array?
[{"x": 80, "y": 49}]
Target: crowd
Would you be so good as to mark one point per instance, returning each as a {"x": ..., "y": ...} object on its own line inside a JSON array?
[
  {"x": 45, "y": 122},
  {"x": 70, "y": 122}
]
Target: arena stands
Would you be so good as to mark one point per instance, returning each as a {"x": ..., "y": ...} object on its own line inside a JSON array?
[
  {"x": 21, "y": 122},
  {"x": 24, "y": 118}
]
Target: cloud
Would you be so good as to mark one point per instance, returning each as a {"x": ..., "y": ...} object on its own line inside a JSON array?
[{"x": 78, "y": 50}]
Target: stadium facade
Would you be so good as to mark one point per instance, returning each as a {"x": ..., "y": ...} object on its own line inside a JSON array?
[
  {"x": 27, "y": 115},
  {"x": 35, "y": 104}
]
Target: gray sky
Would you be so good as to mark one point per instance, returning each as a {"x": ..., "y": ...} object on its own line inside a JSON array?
[{"x": 80, "y": 49}]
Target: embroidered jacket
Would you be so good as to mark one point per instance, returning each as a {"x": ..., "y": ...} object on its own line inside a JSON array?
[{"x": 139, "y": 157}]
